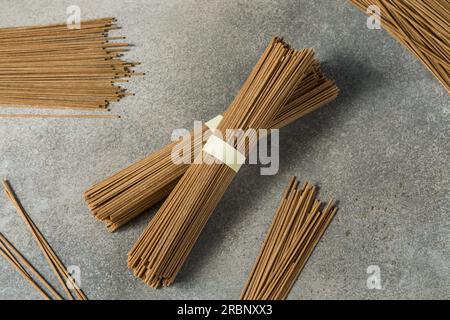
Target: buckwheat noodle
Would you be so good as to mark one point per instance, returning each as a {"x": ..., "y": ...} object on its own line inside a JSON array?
[
  {"x": 19, "y": 262},
  {"x": 55, "y": 67},
  {"x": 422, "y": 27},
  {"x": 53, "y": 260},
  {"x": 126, "y": 194},
  {"x": 297, "y": 227},
  {"x": 161, "y": 250}
]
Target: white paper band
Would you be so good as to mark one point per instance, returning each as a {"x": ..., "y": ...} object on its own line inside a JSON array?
[
  {"x": 214, "y": 122},
  {"x": 225, "y": 153}
]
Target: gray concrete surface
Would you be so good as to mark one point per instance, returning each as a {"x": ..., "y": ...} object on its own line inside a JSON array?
[{"x": 382, "y": 150}]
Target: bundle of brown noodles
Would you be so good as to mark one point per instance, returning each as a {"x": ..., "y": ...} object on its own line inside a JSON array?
[
  {"x": 161, "y": 250},
  {"x": 126, "y": 194}
]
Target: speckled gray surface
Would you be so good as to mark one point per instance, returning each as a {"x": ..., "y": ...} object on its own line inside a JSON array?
[{"x": 381, "y": 149}]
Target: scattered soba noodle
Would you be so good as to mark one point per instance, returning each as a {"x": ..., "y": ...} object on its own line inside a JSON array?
[
  {"x": 60, "y": 271},
  {"x": 20, "y": 263},
  {"x": 297, "y": 227},
  {"x": 55, "y": 67},
  {"x": 423, "y": 27}
]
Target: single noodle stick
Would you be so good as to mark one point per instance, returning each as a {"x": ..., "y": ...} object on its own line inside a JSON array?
[{"x": 61, "y": 116}]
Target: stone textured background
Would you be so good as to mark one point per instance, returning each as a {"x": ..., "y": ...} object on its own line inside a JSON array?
[{"x": 381, "y": 150}]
